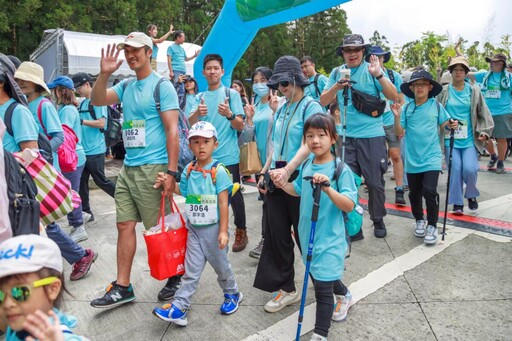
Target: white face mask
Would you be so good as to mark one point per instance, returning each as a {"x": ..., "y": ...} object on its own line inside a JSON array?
[{"x": 260, "y": 89}]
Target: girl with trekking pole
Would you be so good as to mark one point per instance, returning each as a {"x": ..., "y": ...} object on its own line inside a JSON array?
[{"x": 325, "y": 254}]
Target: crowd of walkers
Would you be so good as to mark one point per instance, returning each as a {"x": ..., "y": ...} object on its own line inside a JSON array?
[{"x": 312, "y": 131}]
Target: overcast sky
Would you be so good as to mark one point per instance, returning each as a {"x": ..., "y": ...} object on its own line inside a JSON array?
[{"x": 402, "y": 21}]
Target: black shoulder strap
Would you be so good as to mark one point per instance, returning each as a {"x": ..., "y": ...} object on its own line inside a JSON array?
[
  {"x": 315, "y": 82},
  {"x": 8, "y": 117},
  {"x": 92, "y": 112},
  {"x": 337, "y": 173},
  {"x": 391, "y": 76},
  {"x": 156, "y": 95}
]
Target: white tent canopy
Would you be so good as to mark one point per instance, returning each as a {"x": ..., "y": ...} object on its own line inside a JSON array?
[{"x": 67, "y": 53}]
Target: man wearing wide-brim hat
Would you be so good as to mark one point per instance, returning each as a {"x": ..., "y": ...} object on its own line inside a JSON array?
[
  {"x": 365, "y": 147},
  {"x": 496, "y": 85}
]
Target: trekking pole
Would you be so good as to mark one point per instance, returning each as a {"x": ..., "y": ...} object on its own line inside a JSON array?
[
  {"x": 344, "y": 125},
  {"x": 452, "y": 140},
  {"x": 314, "y": 217}
]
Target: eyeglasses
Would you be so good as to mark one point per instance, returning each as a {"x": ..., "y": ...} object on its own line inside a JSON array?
[
  {"x": 284, "y": 84},
  {"x": 353, "y": 50},
  {"x": 21, "y": 293}
]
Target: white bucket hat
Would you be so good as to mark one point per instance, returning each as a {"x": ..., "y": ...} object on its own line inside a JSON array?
[{"x": 31, "y": 72}]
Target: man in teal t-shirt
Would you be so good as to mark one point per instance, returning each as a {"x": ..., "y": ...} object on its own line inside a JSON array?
[
  {"x": 316, "y": 80},
  {"x": 93, "y": 141},
  {"x": 222, "y": 107}
]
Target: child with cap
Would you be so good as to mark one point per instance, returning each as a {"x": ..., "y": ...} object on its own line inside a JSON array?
[
  {"x": 205, "y": 184},
  {"x": 421, "y": 118},
  {"x": 31, "y": 288}
]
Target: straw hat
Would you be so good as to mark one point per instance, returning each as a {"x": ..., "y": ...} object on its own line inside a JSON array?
[{"x": 32, "y": 72}]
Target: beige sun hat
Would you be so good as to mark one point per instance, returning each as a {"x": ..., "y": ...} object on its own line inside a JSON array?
[{"x": 32, "y": 72}]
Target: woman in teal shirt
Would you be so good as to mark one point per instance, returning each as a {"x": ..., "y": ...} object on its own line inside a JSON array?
[{"x": 465, "y": 103}]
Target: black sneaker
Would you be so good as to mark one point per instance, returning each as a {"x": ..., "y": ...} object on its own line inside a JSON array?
[
  {"x": 115, "y": 295},
  {"x": 358, "y": 236},
  {"x": 492, "y": 161},
  {"x": 472, "y": 204},
  {"x": 379, "y": 229},
  {"x": 458, "y": 210},
  {"x": 399, "y": 198},
  {"x": 167, "y": 292}
]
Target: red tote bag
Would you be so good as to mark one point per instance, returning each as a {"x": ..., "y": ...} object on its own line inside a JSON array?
[{"x": 166, "y": 249}]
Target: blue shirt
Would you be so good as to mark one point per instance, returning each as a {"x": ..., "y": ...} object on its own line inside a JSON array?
[
  {"x": 197, "y": 183},
  {"x": 387, "y": 118},
  {"x": 503, "y": 104},
  {"x": 227, "y": 152},
  {"x": 49, "y": 116},
  {"x": 139, "y": 104},
  {"x": 69, "y": 116},
  {"x": 423, "y": 150},
  {"x": 262, "y": 120},
  {"x": 310, "y": 90},
  {"x": 154, "y": 52},
  {"x": 459, "y": 108},
  {"x": 330, "y": 245},
  {"x": 178, "y": 56},
  {"x": 24, "y": 128},
  {"x": 190, "y": 103},
  {"x": 359, "y": 125},
  {"x": 288, "y": 127},
  {"x": 93, "y": 140}
]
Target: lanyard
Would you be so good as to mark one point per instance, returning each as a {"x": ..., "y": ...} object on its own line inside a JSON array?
[{"x": 287, "y": 126}]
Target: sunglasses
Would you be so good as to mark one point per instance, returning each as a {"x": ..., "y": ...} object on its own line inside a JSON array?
[
  {"x": 284, "y": 84},
  {"x": 21, "y": 293}
]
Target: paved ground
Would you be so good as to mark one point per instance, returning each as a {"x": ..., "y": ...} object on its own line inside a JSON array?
[{"x": 459, "y": 289}]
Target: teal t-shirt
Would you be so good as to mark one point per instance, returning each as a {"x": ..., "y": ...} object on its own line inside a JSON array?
[
  {"x": 24, "y": 128},
  {"x": 49, "y": 116},
  {"x": 359, "y": 125},
  {"x": 197, "y": 183},
  {"x": 330, "y": 245},
  {"x": 191, "y": 102},
  {"x": 143, "y": 131},
  {"x": 311, "y": 90},
  {"x": 69, "y": 116},
  {"x": 178, "y": 56},
  {"x": 496, "y": 87},
  {"x": 388, "y": 118},
  {"x": 288, "y": 127},
  {"x": 459, "y": 108},
  {"x": 423, "y": 150},
  {"x": 227, "y": 152},
  {"x": 154, "y": 51},
  {"x": 262, "y": 119},
  {"x": 93, "y": 140}
]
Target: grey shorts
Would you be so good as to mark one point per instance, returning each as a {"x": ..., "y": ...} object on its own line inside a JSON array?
[
  {"x": 502, "y": 126},
  {"x": 392, "y": 140}
]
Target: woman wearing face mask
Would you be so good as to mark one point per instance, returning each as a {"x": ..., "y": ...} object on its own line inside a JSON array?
[{"x": 258, "y": 127}]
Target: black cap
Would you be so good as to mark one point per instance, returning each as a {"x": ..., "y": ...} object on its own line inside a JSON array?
[{"x": 80, "y": 78}]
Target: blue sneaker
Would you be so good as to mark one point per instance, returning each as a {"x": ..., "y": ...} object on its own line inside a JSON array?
[
  {"x": 170, "y": 313},
  {"x": 231, "y": 302}
]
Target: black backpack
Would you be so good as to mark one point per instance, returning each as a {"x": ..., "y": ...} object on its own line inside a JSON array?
[
  {"x": 114, "y": 132},
  {"x": 24, "y": 208},
  {"x": 45, "y": 148}
]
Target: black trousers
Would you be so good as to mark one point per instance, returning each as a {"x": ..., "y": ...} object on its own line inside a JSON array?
[
  {"x": 424, "y": 185},
  {"x": 275, "y": 267},
  {"x": 324, "y": 303},
  {"x": 368, "y": 157},
  {"x": 237, "y": 201},
  {"x": 95, "y": 167}
]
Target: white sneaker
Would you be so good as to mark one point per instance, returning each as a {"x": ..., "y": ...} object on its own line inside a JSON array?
[
  {"x": 420, "y": 231},
  {"x": 431, "y": 236},
  {"x": 280, "y": 300},
  {"x": 316, "y": 337},
  {"x": 341, "y": 306},
  {"x": 78, "y": 234},
  {"x": 87, "y": 217}
]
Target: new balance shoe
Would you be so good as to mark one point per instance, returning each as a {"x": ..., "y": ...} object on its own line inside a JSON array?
[
  {"x": 472, "y": 204},
  {"x": 280, "y": 300},
  {"x": 87, "y": 216},
  {"x": 458, "y": 209},
  {"x": 419, "y": 230},
  {"x": 170, "y": 313},
  {"x": 81, "y": 268},
  {"x": 170, "y": 288},
  {"x": 341, "y": 306},
  {"x": 231, "y": 302},
  {"x": 78, "y": 234},
  {"x": 431, "y": 235},
  {"x": 256, "y": 252},
  {"x": 115, "y": 295}
]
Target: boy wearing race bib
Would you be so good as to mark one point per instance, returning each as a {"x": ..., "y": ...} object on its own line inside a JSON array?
[
  {"x": 422, "y": 118},
  {"x": 205, "y": 184}
]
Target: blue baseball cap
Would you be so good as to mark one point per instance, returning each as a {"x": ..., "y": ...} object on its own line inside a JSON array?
[{"x": 61, "y": 81}]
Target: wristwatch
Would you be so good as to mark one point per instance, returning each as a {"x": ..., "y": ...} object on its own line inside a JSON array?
[
  {"x": 231, "y": 118},
  {"x": 379, "y": 76},
  {"x": 173, "y": 174}
]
